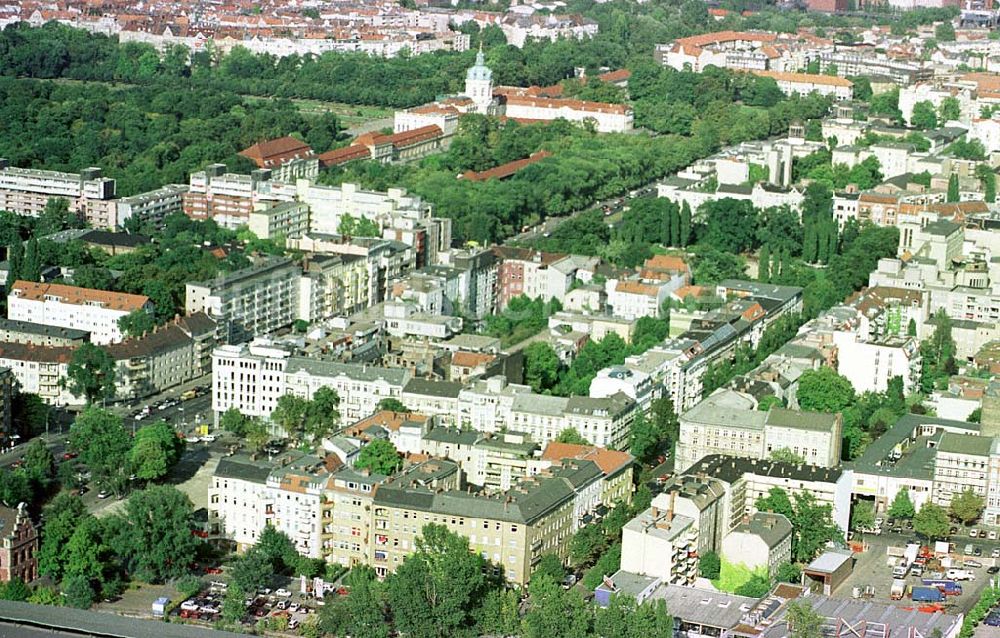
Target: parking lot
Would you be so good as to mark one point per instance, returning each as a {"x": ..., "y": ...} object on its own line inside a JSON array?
[
  {"x": 280, "y": 604},
  {"x": 872, "y": 568}
]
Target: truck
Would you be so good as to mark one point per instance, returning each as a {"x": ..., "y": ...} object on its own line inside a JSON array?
[
  {"x": 960, "y": 574},
  {"x": 947, "y": 587},
  {"x": 160, "y": 606},
  {"x": 911, "y": 552},
  {"x": 925, "y": 594},
  {"x": 899, "y": 571},
  {"x": 898, "y": 589}
]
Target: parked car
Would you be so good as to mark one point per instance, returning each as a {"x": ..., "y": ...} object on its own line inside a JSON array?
[
  {"x": 282, "y": 593},
  {"x": 992, "y": 570},
  {"x": 973, "y": 533},
  {"x": 996, "y": 552},
  {"x": 972, "y": 563},
  {"x": 208, "y": 438},
  {"x": 992, "y": 535},
  {"x": 103, "y": 494},
  {"x": 977, "y": 551}
]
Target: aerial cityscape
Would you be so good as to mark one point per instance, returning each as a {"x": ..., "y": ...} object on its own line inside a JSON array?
[{"x": 519, "y": 319}]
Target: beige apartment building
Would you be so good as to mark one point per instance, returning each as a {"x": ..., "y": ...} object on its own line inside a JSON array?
[
  {"x": 345, "y": 510},
  {"x": 512, "y": 530}
]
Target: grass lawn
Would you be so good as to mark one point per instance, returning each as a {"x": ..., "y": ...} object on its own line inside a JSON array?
[
  {"x": 349, "y": 114},
  {"x": 731, "y": 576}
]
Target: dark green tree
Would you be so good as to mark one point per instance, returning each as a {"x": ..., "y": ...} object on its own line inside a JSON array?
[
  {"x": 91, "y": 373},
  {"x": 902, "y": 507},
  {"x": 710, "y": 565},
  {"x": 158, "y": 544},
  {"x": 553, "y": 611},
  {"x": 824, "y": 390},
  {"x": 435, "y": 590},
  {"x": 380, "y": 456},
  {"x": 953, "y": 191},
  {"x": 136, "y": 323},
  {"x": 31, "y": 269},
  {"x": 923, "y": 116},
  {"x": 104, "y": 446},
  {"x": 932, "y": 521},
  {"x": 392, "y": 404},
  {"x": 156, "y": 450}
]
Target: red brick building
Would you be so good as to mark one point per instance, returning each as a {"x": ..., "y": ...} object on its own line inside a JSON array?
[{"x": 18, "y": 545}]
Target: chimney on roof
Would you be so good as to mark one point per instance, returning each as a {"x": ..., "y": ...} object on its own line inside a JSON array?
[{"x": 670, "y": 512}]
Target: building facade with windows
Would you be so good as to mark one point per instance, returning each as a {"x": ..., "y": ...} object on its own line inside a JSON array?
[{"x": 94, "y": 311}]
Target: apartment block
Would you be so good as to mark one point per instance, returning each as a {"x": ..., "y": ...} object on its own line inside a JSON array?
[
  {"x": 747, "y": 480},
  {"x": 729, "y": 423},
  {"x": 513, "y": 530},
  {"x": 239, "y": 499},
  {"x": 252, "y": 377},
  {"x": 168, "y": 356},
  {"x": 332, "y": 286},
  {"x": 346, "y": 516},
  {"x": 26, "y": 191},
  {"x": 230, "y": 198},
  {"x": 398, "y": 216},
  {"x": 961, "y": 462},
  {"x": 152, "y": 206},
  {"x": 251, "y": 302},
  {"x": 360, "y": 386},
  {"x": 40, "y": 370},
  {"x": 40, "y": 334},
  {"x": 661, "y": 544},
  {"x": 536, "y": 274},
  {"x": 93, "y": 311},
  {"x": 279, "y": 221}
]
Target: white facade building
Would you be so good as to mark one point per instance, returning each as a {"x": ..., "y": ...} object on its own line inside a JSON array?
[{"x": 95, "y": 311}]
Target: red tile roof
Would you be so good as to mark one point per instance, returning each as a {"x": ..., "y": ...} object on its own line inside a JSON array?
[
  {"x": 610, "y": 461},
  {"x": 273, "y": 153},
  {"x": 343, "y": 155},
  {"x": 79, "y": 296},
  {"x": 505, "y": 170}
]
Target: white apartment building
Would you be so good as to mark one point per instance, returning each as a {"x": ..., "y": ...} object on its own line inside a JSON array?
[
  {"x": 95, "y": 311},
  {"x": 807, "y": 83},
  {"x": 632, "y": 300},
  {"x": 26, "y": 191},
  {"x": 493, "y": 405},
  {"x": 661, "y": 544},
  {"x": 961, "y": 462},
  {"x": 296, "y": 494},
  {"x": 40, "y": 370},
  {"x": 251, "y": 302},
  {"x": 607, "y": 118},
  {"x": 634, "y": 384},
  {"x": 252, "y": 377},
  {"x": 239, "y": 498},
  {"x": 869, "y": 365},
  {"x": 153, "y": 205},
  {"x": 360, "y": 386},
  {"x": 602, "y": 422}
]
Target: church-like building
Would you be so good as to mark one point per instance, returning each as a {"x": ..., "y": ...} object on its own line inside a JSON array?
[{"x": 518, "y": 103}]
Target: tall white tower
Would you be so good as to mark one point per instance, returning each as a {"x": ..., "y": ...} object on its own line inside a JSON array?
[{"x": 479, "y": 83}]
